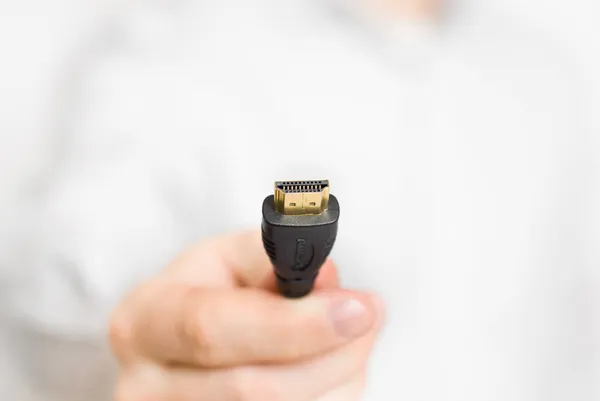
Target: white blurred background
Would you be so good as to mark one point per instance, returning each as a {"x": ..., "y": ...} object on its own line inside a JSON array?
[
  {"x": 41, "y": 44},
  {"x": 575, "y": 25},
  {"x": 35, "y": 36}
]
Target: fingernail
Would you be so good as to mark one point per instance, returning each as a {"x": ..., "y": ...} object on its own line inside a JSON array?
[{"x": 351, "y": 318}]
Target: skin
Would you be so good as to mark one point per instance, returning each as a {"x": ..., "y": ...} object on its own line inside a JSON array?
[
  {"x": 410, "y": 9},
  {"x": 212, "y": 327}
]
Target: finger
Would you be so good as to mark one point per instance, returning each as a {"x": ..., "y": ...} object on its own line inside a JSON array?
[
  {"x": 328, "y": 276},
  {"x": 340, "y": 373},
  {"x": 149, "y": 382},
  {"x": 219, "y": 328},
  {"x": 352, "y": 390},
  {"x": 233, "y": 260}
]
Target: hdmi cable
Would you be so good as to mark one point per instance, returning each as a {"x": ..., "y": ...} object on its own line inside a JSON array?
[{"x": 299, "y": 229}]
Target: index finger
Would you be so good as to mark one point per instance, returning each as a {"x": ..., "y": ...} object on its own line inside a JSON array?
[{"x": 235, "y": 260}]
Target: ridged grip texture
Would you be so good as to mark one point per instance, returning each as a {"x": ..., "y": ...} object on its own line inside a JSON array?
[{"x": 298, "y": 245}]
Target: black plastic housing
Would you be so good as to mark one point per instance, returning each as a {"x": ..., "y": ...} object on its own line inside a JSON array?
[{"x": 298, "y": 245}]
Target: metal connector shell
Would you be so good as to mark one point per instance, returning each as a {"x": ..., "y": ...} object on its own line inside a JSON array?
[{"x": 301, "y": 197}]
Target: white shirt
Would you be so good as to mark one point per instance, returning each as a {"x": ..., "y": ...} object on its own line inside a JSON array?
[{"x": 457, "y": 153}]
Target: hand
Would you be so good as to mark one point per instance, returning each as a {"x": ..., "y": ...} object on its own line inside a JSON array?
[{"x": 211, "y": 327}]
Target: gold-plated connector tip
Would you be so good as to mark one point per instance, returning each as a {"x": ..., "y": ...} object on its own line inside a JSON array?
[{"x": 301, "y": 197}]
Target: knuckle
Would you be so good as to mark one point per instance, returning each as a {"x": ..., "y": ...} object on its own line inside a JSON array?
[
  {"x": 248, "y": 384},
  {"x": 195, "y": 330},
  {"x": 120, "y": 332}
]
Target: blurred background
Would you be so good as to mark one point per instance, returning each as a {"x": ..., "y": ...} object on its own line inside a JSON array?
[
  {"x": 36, "y": 37},
  {"x": 574, "y": 25},
  {"x": 46, "y": 45}
]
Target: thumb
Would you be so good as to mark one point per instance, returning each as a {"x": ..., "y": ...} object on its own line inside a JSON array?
[{"x": 221, "y": 328}]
